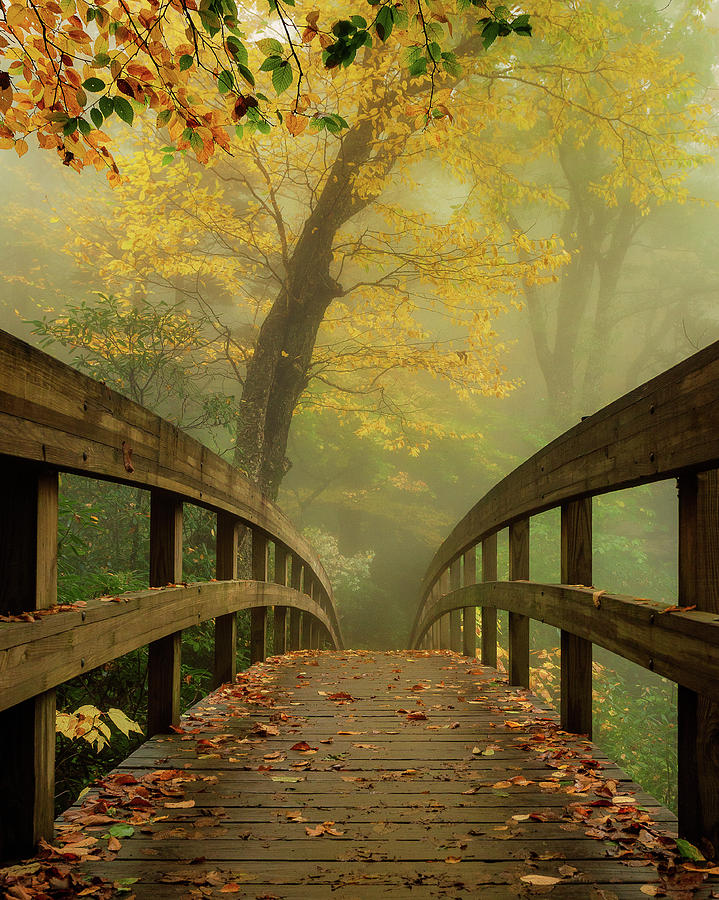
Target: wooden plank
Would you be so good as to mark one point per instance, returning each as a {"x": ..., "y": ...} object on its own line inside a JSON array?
[
  {"x": 28, "y": 580},
  {"x": 227, "y": 545},
  {"x": 163, "y": 666},
  {"x": 698, "y": 710},
  {"x": 576, "y": 652},
  {"x": 519, "y": 623},
  {"x": 409, "y": 803},
  {"x": 488, "y": 629},
  {"x": 469, "y": 615}
]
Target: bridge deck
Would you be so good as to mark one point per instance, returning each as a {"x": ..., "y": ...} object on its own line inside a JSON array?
[{"x": 412, "y": 774}]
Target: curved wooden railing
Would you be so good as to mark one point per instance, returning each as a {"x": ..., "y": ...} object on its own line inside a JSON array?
[
  {"x": 668, "y": 427},
  {"x": 54, "y": 419}
]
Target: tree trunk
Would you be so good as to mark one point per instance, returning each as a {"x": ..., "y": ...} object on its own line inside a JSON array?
[{"x": 280, "y": 368}]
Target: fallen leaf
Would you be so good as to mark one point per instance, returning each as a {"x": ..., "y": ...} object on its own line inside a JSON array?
[{"x": 543, "y": 880}]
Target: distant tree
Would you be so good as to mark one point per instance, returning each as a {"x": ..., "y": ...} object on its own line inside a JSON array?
[{"x": 337, "y": 271}]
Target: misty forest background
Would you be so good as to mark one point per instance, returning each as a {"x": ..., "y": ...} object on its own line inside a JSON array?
[{"x": 159, "y": 288}]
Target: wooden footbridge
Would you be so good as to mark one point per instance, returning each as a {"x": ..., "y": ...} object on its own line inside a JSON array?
[{"x": 331, "y": 772}]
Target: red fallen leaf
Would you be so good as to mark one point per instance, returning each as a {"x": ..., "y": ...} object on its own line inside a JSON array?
[
  {"x": 418, "y": 687},
  {"x": 340, "y": 695},
  {"x": 416, "y": 716},
  {"x": 302, "y": 747}
]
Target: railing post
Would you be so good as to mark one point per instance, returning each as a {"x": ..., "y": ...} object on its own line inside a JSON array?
[
  {"x": 455, "y": 616},
  {"x": 305, "y": 631},
  {"x": 519, "y": 624},
  {"x": 163, "y": 669},
  {"x": 488, "y": 630},
  {"x": 227, "y": 542},
  {"x": 295, "y": 614},
  {"x": 469, "y": 613},
  {"x": 282, "y": 558},
  {"x": 28, "y": 580},
  {"x": 576, "y": 652},
  {"x": 258, "y": 615},
  {"x": 698, "y": 714},
  {"x": 444, "y": 632}
]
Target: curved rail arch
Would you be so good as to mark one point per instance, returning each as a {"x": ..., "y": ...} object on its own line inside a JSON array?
[
  {"x": 54, "y": 419},
  {"x": 666, "y": 428}
]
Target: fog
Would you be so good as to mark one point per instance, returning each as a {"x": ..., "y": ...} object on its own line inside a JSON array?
[{"x": 382, "y": 460}]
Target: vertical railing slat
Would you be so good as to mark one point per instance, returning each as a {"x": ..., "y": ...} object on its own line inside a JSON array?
[
  {"x": 295, "y": 614},
  {"x": 488, "y": 630},
  {"x": 258, "y": 615},
  {"x": 163, "y": 668},
  {"x": 227, "y": 542},
  {"x": 455, "y": 616},
  {"x": 469, "y": 613},
  {"x": 519, "y": 624},
  {"x": 279, "y": 625},
  {"x": 576, "y": 652},
  {"x": 28, "y": 580},
  {"x": 698, "y": 714}
]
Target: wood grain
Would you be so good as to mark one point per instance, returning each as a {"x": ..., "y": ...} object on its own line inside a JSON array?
[
  {"x": 518, "y": 622},
  {"x": 55, "y": 415},
  {"x": 681, "y": 646},
  {"x": 576, "y": 652},
  {"x": 698, "y": 708},
  {"x": 659, "y": 430},
  {"x": 28, "y": 580}
]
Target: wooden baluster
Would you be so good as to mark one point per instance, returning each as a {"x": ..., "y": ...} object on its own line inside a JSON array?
[
  {"x": 295, "y": 614},
  {"x": 455, "y": 616},
  {"x": 444, "y": 632},
  {"x": 228, "y": 531},
  {"x": 282, "y": 558},
  {"x": 469, "y": 613},
  {"x": 519, "y": 624},
  {"x": 305, "y": 631},
  {"x": 258, "y": 615},
  {"x": 576, "y": 652},
  {"x": 698, "y": 714},
  {"x": 489, "y": 614},
  {"x": 163, "y": 668},
  {"x": 28, "y": 580}
]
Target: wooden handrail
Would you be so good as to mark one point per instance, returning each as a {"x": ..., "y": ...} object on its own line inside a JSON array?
[
  {"x": 54, "y": 419},
  {"x": 668, "y": 427},
  {"x": 55, "y": 415},
  {"x": 659, "y": 430}
]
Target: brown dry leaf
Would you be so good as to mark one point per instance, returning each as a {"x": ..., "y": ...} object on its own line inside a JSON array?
[
  {"x": 651, "y": 890},
  {"x": 113, "y": 844},
  {"x": 181, "y": 804},
  {"x": 232, "y": 887},
  {"x": 453, "y": 859},
  {"x": 540, "y": 880}
]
